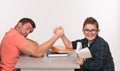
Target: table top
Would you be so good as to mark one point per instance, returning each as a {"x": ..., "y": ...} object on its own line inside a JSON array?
[{"x": 68, "y": 62}]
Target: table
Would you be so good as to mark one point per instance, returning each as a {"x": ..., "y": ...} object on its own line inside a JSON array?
[{"x": 27, "y": 63}]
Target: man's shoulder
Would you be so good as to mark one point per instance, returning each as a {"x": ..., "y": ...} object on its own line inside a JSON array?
[{"x": 12, "y": 33}]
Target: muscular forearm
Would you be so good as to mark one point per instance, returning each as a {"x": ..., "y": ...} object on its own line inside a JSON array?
[
  {"x": 38, "y": 50},
  {"x": 44, "y": 47}
]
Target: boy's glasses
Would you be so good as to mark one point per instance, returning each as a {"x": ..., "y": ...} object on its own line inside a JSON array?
[{"x": 90, "y": 31}]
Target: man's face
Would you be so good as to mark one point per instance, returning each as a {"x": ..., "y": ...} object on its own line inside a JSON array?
[
  {"x": 90, "y": 31},
  {"x": 25, "y": 29}
]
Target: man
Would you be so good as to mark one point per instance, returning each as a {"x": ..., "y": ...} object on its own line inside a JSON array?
[
  {"x": 101, "y": 56},
  {"x": 16, "y": 42}
]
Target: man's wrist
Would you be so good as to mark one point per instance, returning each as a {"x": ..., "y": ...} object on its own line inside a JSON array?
[{"x": 56, "y": 36}]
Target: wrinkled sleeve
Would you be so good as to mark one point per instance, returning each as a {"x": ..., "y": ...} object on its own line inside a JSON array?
[{"x": 99, "y": 52}]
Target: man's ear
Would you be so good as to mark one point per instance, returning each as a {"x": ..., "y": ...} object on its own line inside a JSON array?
[{"x": 19, "y": 24}]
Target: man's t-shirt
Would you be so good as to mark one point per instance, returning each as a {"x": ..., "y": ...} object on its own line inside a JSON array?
[{"x": 10, "y": 50}]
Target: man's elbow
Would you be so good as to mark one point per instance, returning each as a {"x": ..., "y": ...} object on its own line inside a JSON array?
[{"x": 38, "y": 55}]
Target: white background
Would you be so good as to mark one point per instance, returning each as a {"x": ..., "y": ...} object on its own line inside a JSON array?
[{"x": 70, "y": 14}]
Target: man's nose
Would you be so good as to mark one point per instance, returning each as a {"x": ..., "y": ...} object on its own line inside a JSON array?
[{"x": 28, "y": 31}]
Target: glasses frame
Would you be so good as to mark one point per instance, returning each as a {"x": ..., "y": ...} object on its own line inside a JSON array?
[{"x": 93, "y": 31}]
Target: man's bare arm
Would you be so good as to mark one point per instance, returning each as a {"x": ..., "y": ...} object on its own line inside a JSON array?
[{"x": 33, "y": 48}]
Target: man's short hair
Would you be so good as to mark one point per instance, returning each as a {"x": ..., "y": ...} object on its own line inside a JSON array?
[{"x": 26, "y": 20}]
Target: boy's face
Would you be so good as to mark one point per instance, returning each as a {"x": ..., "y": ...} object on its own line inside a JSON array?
[{"x": 90, "y": 31}]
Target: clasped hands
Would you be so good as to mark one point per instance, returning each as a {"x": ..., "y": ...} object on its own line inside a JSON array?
[{"x": 59, "y": 32}]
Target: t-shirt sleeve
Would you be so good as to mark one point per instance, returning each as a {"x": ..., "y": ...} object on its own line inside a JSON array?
[
  {"x": 74, "y": 44},
  {"x": 20, "y": 41}
]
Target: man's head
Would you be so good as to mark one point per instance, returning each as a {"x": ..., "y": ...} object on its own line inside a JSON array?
[
  {"x": 90, "y": 28},
  {"x": 25, "y": 26}
]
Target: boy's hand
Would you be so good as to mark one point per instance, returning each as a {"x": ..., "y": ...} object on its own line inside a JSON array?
[{"x": 80, "y": 61}]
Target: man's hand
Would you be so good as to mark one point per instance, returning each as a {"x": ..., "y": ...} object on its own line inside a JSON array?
[{"x": 59, "y": 31}]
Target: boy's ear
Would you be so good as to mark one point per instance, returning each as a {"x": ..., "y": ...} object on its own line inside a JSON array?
[{"x": 98, "y": 30}]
